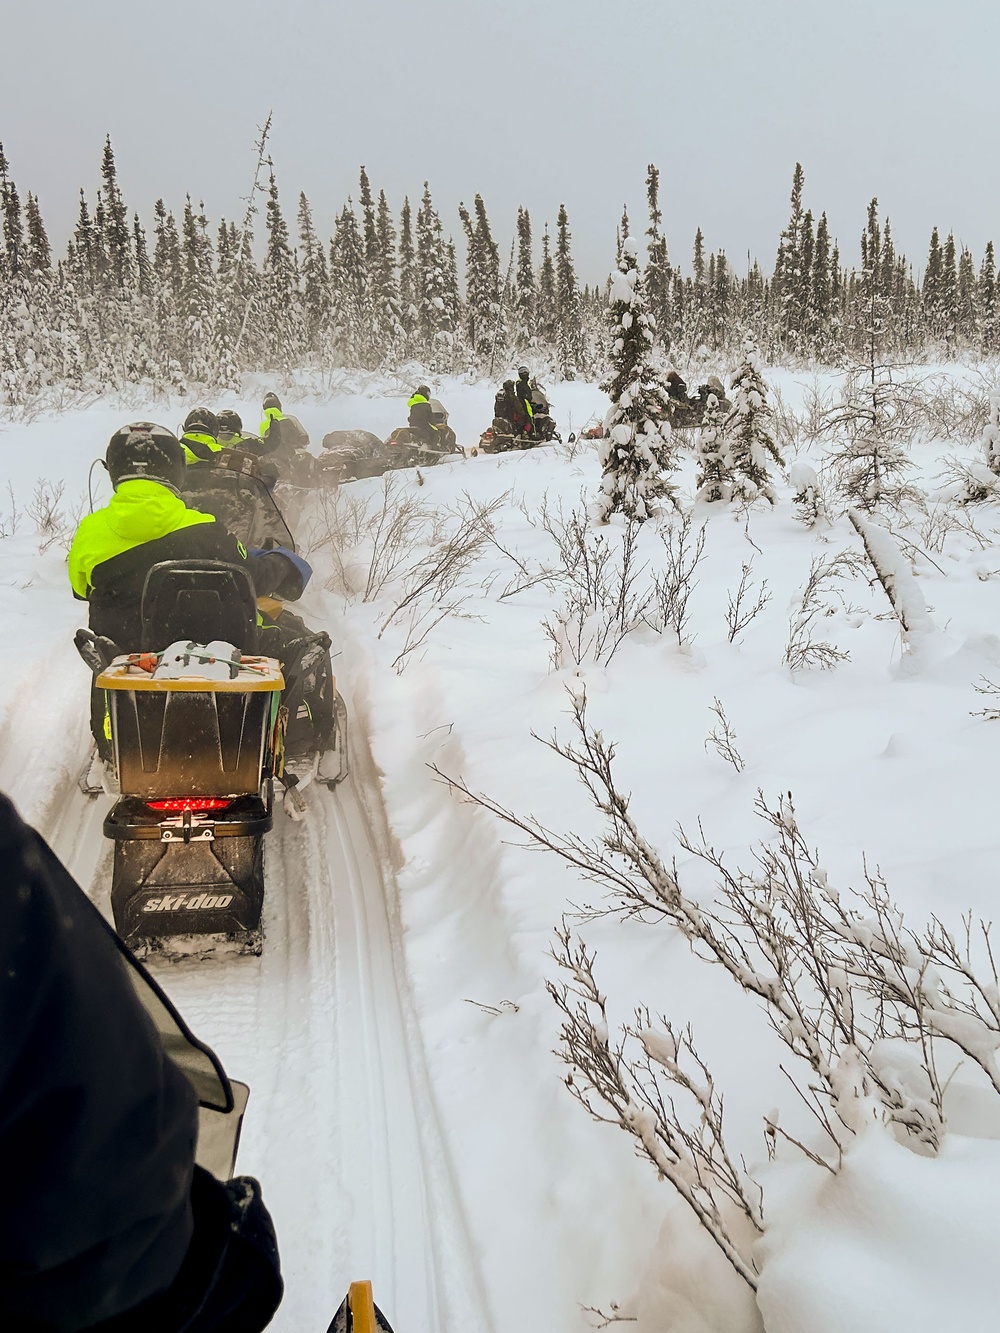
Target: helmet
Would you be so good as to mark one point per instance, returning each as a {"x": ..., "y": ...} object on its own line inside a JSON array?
[
  {"x": 203, "y": 421},
  {"x": 143, "y": 451},
  {"x": 715, "y": 384},
  {"x": 271, "y": 400},
  {"x": 523, "y": 370},
  {"x": 230, "y": 421},
  {"x": 508, "y": 384},
  {"x": 422, "y": 388}
]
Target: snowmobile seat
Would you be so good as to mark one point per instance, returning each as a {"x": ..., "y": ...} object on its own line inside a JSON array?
[{"x": 200, "y": 600}]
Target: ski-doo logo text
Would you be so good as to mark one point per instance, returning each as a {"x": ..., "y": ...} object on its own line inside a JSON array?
[{"x": 188, "y": 902}]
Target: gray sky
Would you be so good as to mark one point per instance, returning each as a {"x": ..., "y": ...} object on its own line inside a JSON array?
[{"x": 527, "y": 101}]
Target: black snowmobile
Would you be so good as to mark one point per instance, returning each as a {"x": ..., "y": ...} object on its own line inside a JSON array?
[
  {"x": 349, "y": 455},
  {"x": 197, "y": 746},
  {"x": 195, "y": 756}
]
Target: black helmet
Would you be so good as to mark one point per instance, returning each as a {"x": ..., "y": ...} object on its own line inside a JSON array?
[
  {"x": 143, "y": 451},
  {"x": 422, "y": 388},
  {"x": 271, "y": 400},
  {"x": 202, "y": 421},
  {"x": 230, "y": 421}
]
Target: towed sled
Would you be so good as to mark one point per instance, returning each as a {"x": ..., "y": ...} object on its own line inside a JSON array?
[
  {"x": 349, "y": 455},
  {"x": 406, "y": 448}
]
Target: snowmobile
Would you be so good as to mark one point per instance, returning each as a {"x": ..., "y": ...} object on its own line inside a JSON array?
[
  {"x": 408, "y": 449},
  {"x": 502, "y": 436},
  {"x": 687, "y": 412},
  {"x": 349, "y": 455},
  {"x": 195, "y": 752},
  {"x": 237, "y": 488},
  {"x": 199, "y": 731}
]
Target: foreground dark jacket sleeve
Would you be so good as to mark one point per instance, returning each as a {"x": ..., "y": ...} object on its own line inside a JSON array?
[{"x": 97, "y": 1127}]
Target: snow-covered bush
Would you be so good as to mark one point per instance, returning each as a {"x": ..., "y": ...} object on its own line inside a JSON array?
[
  {"x": 808, "y": 503},
  {"x": 751, "y": 445},
  {"x": 712, "y": 479},
  {"x": 637, "y": 438}
]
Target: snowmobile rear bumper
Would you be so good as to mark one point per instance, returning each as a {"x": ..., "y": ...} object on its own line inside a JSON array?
[{"x": 188, "y": 873}]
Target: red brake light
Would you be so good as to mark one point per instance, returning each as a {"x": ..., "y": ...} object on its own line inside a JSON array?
[{"x": 194, "y": 804}]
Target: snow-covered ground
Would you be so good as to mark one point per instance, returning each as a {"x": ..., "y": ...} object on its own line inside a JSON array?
[{"x": 397, "y": 1033}]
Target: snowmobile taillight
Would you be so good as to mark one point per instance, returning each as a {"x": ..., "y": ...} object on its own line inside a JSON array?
[{"x": 195, "y": 805}]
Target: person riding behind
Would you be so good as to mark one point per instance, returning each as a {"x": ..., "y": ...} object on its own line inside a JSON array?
[
  {"x": 144, "y": 523},
  {"x": 524, "y": 390},
  {"x": 201, "y": 436}
]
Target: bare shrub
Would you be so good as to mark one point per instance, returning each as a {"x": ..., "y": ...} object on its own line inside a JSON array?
[
  {"x": 804, "y": 649},
  {"x": 745, "y": 607},
  {"x": 10, "y": 521},
  {"x": 52, "y": 522},
  {"x": 838, "y": 975},
  {"x": 669, "y": 606},
  {"x": 604, "y": 597},
  {"x": 723, "y": 738}
]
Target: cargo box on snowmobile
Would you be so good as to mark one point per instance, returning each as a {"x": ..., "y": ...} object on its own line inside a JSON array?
[{"x": 194, "y": 760}]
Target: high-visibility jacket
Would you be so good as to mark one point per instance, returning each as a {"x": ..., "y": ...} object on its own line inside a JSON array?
[
  {"x": 421, "y": 418},
  {"x": 199, "y": 448},
  {"x": 116, "y": 547}
]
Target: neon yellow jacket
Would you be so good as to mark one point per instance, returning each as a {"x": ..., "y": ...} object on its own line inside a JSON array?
[
  {"x": 139, "y": 511},
  {"x": 209, "y": 441},
  {"x": 270, "y": 414}
]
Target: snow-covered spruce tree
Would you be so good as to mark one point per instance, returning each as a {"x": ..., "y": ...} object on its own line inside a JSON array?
[
  {"x": 388, "y": 313},
  {"x": 434, "y": 283},
  {"x": 198, "y": 304},
  {"x": 751, "y": 445},
  {"x": 348, "y": 289},
  {"x": 986, "y": 303},
  {"x": 868, "y": 456},
  {"x": 713, "y": 477},
  {"x": 525, "y": 295},
  {"x": 315, "y": 279},
  {"x": 280, "y": 288},
  {"x": 407, "y": 275},
  {"x": 569, "y": 325},
  {"x": 637, "y": 441},
  {"x": 546, "y": 316},
  {"x": 658, "y": 275},
  {"x": 484, "y": 319}
]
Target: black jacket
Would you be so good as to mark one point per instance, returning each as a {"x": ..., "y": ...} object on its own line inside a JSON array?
[
  {"x": 97, "y": 1126},
  {"x": 116, "y": 598},
  {"x": 106, "y": 1224}
]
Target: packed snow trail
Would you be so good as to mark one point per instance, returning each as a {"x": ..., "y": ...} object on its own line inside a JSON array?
[{"x": 341, "y": 1128}]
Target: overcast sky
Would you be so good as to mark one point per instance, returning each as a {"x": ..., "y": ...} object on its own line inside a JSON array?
[{"x": 527, "y": 101}]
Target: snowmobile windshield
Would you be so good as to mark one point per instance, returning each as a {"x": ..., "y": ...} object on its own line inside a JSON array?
[{"x": 242, "y": 504}]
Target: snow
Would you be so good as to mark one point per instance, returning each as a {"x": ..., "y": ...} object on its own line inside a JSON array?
[{"x": 408, "y": 1118}]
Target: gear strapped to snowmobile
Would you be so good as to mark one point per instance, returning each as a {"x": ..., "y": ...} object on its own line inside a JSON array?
[{"x": 349, "y": 455}]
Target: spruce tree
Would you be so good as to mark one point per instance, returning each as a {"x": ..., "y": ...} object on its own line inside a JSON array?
[
  {"x": 280, "y": 287},
  {"x": 547, "y": 321},
  {"x": 658, "y": 275},
  {"x": 39, "y": 251},
  {"x": 388, "y": 314},
  {"x": 348, "y": 295},
  {"x": 787, "y": 280},
  {"x": 637, "y": 440},
  {"x": 435, "y": 287},
  {"x": 986, "y": 302},
  {"x": 713, "y": 478},
  {"x": 525, "y": 294},
  {"x": 118, "y": 238},
  {"x": 315, "y": 277},
  {"x": 482, "y": 282},
  {"x": 967, "y": 320},
  {"x": 751, "y": 446},
  {"x": 569, "y": 326},
  {"x": 407, "y": 272},
  {"x": 198, "y": 297}
]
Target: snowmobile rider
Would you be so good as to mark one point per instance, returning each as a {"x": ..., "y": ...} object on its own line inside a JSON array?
[
  {"x": 231, "y": 433},
  {"x": 201, "y": 436},
  {"x": 525, "y": 393},
  {"x": 107, "y": 1224},
  {"x": 423, "y": 419},
  {"x": 510, "y": 414},
  {"x": 145, "y": 522}
]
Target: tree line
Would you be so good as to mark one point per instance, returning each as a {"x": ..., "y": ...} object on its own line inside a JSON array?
[{"x": 199, "y": 304}]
